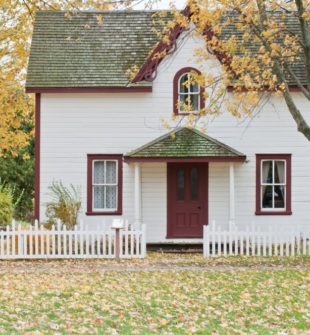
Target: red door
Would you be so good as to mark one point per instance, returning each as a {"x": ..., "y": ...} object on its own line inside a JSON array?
[{"x": 187, "y": 199}]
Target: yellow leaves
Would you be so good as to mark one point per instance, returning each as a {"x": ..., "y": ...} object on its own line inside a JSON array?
[
  {"x": 306, "y": 15},
  {"x": 15, "y": 112},
  {"x": 99, "y": 19},
  {"x": 132, "y": 72},
  {"x": 234, "y": 296},
  {"x": 16, "y": 108}
]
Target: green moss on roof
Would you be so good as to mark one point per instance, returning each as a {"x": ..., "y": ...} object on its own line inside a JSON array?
[
  {"x": 79, "y": 52},
  {"x": 184, "y": 142}
]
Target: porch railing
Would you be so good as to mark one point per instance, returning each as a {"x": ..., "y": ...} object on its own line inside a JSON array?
[
  {"x": 255, "y": 241},
  {"x": 35, "y": 242}
]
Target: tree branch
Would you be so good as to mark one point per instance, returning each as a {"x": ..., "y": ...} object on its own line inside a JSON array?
[{"x": 305, "y": 92}]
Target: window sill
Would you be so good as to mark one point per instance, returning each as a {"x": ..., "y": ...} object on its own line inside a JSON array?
[
  {"x": 186, "y": 113},
  {"x": 103, "y": 213},
  {"x": 274, "y": 213}
]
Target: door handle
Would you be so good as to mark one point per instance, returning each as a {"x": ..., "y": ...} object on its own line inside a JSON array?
[{"x": 199, "y": 207}]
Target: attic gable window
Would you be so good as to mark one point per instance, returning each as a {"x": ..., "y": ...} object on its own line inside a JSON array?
[
  {"x": 188, "y": 96},
  {"x": 104, "y": 184},
  {"x": 273, "y": 184}
]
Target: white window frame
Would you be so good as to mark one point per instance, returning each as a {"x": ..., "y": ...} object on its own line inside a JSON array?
[
  {"x": 189, "y": 93},
  {"x": 273, "y": 184},
  {"x": 104, "y": 209}
]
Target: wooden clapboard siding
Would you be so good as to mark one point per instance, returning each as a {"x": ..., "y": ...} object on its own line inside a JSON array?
[{"x": 74, "y": 125}]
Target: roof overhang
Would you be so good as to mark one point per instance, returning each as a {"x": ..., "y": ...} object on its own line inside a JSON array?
[
  {"x": 225, "y": 159},
  {"x": 97, "y": 89}
]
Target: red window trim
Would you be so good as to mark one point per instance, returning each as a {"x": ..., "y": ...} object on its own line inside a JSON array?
[
  {"x": 90, "y": 159},
  {"x": 176, "y": 89},
  {"x": 288, "y": 158},
  {"x": 37, "y": 152}
]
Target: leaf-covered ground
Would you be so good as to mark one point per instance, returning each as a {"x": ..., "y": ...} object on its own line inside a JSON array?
[{"x": 163, "y": 294}]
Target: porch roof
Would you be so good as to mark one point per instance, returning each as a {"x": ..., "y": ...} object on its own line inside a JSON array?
[{"x": 184, "y": 144}]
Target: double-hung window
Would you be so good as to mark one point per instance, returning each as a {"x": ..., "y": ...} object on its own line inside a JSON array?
[
  {"x": 104, "y": 184},
  {"x": 189, "y": 94},
  {"x": 273, "y": 189}
]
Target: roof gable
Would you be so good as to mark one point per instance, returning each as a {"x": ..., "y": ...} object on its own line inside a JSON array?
[{"x": 184, "y": 143}]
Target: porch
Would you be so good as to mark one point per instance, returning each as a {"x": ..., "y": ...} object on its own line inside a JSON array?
[{"x": 185, "y": 163}]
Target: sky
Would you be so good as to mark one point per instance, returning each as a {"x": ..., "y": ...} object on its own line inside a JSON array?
[{"x": 161, "y": 4}]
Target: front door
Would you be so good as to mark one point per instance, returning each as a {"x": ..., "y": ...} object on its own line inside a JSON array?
[{"x": 187, "y": 199}]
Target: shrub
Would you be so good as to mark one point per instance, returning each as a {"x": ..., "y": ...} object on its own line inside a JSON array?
[
  {"x": 12, "y": 192},
  {"x": 19, "y": 174},
  {"x": 65, "y": 204},
  {"x": 6, "y": 209}
]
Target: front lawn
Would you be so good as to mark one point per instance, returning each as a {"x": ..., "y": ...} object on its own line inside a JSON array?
[{"x": 84, "y": 298}]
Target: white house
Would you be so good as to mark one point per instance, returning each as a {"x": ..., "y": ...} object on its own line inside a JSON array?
[{"x": 97, "y": 130}]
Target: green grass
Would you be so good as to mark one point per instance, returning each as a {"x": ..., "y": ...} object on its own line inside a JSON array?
[{"x": 81, "y": 298}]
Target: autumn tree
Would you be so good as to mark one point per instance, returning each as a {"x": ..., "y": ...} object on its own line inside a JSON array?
[
  {"x": 263, "y": 47},
  {"x": 16, "y": 22}
]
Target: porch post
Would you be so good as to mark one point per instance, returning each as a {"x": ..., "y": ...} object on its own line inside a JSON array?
[
  {"x": 137, "y": 195},
  {"x": 231, "y": 193}
]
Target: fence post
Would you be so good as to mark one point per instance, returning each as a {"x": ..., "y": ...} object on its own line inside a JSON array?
[
  {"x": 143, "y": 240},
  {"x": 13, "y": 238},
  {"x": 20, "y": 241}
]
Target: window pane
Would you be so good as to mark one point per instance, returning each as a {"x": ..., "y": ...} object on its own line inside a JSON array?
[
  {"x": 111, "y": 172},
  {"x": 180, "y": 184},
  {"x": 99, "y": 197},
  {"x": 279, "y": 172},
  {"x": 194, "y": 99},
  {"x": 99, "y": 172},
  {"x": 267, "y": 172},
  {"x": 194, "y": 183},
  {"x": 182, "y": 101},
  {"x": 267, "y": 197},
  {"x": 279, "y": 196},
  {"x": 194, "y": 87},
  {"x": 184, "y": 84},
  {"x": 111, "y": 195}
]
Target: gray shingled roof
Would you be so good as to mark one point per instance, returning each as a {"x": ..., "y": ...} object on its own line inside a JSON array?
[
  {"x": 79, "y": 52},
  {"x": 291, "y": 23},
  {"x": 184, "y": 142}
]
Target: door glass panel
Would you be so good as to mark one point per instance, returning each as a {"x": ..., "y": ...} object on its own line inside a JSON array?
[
  {"x": 194, "y": 183},
  {"x": 180, "y": 184}
]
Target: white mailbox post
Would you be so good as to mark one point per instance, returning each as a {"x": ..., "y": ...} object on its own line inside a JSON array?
[{"x": 117, "y": 224}]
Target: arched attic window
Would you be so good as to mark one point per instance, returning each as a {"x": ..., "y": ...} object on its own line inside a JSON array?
[{"x": 188, "y": 96}]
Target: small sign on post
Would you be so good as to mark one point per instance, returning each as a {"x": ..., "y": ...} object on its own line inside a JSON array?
[{"x": 117, "y": 224}]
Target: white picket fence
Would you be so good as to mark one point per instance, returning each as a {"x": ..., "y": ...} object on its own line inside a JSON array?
[
  {"x": 35, "y": 242},
  {"x": 255, "y": 241}
]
